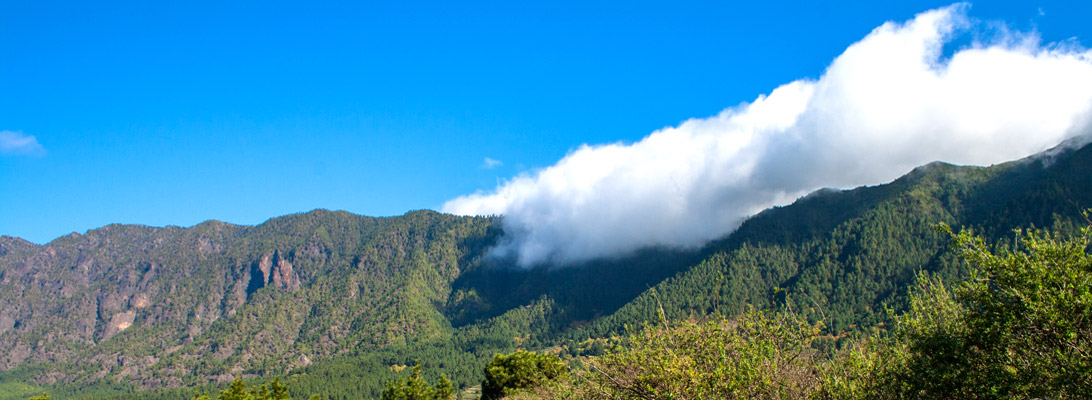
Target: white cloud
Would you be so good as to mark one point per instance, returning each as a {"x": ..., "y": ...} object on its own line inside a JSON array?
[
  {"x": 490, "y": 163},
  {"x": 19, "y": 143},
  {"x": 889, "y": 103}
]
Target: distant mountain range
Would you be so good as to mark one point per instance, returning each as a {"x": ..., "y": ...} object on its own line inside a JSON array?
[{"x": 337, "y": 303}]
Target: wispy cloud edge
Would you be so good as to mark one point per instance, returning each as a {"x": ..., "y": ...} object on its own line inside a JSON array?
[
  {"x": 18, "y": 143},
  {"x": 490, "y": 163}
]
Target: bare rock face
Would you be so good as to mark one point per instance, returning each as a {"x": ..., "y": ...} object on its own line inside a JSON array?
[
  {"x": 273, "y": 269},
  {"x": 282, "y": 275},
  {"x": 266, "y": 266},
  {"x": 119, "y": 322},
  {"x": 6, "y": 322},
  {"x": 139, "y": 300}
]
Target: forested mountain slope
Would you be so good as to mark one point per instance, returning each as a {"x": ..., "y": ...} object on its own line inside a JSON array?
[
  {"x": 158, "y": 305},
  {"x": 839, "y": 256},
  {"x": 842, "y": 256},
  {"x": 173, "y": 307},
  {"x": 339, "y": 303}
]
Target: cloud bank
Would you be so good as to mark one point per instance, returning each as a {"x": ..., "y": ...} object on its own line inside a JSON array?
[
  {"x": 889, "y": 103},
  {"x": 19, "y": 143}
]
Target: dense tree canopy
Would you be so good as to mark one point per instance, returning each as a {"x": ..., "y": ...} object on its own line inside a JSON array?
[
  {"x": 1020, "y": 326},
  {"x": 509, "y": 374},
  {"x": 334, "y": 302}
]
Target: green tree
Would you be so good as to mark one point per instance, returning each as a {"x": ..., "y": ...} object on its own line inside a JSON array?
[
  {"x": 417, "y": 388},
  {"x": 237, "y": 391},
  {"x": 1020, "y": 326},
  {"x": 260, "y": 393},
  {"x": 278, "y": 391},
  {"x": 443, "y": 389},
  {"x": 511, "y": 373}
]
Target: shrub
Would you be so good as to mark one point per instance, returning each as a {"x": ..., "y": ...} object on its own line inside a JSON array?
[
  {"x": 760, "y": 355},
  {"x": 512, "y": 373},
  {"x": 1019, "y": 327}
]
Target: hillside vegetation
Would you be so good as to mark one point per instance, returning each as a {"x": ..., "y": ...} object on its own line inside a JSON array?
[
  {"x": 339, "y": 305},
  {"x": 1020, "y": 326}
]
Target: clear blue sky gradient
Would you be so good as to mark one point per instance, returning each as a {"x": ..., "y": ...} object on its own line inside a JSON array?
[{"x": 175, "y": 114}]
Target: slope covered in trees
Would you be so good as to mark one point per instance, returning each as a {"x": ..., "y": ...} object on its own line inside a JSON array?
[
  {"x": 124, "y": 308},
  {"x": 844, "y": 256},
  {"x": 340, "y": 304},
  {"x": 1020, "y": 326},
  {"x": 171, "y": 306}
]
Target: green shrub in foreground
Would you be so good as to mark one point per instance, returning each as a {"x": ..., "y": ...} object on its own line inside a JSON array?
[{"x": 509, "y": 374}]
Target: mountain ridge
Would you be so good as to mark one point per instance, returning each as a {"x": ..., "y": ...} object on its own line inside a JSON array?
[
  {"x": 231, "y": 262},
  {"x": 348, "y": 297}
]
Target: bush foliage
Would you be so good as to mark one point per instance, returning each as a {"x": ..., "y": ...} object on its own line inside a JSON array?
[
  {"x": 512, "y": 373},
  {"x": 1019, "y": 327}
]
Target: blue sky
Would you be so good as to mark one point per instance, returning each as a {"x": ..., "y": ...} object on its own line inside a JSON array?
[{"x": 175, "y": 114}]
